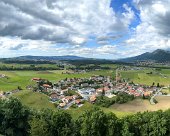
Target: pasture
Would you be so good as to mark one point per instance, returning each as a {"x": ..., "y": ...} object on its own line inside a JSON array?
[
  {"x": 140, "y": 105},
  {"x": 39, "y": 101},
  {"x": 144, "y": 77},
  {"x": 34, "y": 100},
  {"x": 23, "y": 78}
]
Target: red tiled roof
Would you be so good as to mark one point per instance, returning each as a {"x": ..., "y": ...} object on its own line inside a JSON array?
[
  {"x": 78, "y": 101},
  {"x": 46, "y": 85},
  {"x": 36, "y": 79}
]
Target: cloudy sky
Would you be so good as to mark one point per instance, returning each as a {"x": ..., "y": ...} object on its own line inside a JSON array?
[{"x": 90, "y": 28}]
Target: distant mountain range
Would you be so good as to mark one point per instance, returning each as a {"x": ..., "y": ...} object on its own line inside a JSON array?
[
  {"x": 158, "y": 55},
  {"x": 48, "y": 58}
]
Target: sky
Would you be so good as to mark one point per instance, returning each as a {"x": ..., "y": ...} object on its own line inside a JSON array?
[{"x": 109, "y": 29}]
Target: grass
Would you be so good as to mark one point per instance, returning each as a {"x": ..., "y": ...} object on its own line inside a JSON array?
[
  {"x": 140, "y": 105},
  {"x": 39, "y": 101},
  {"x": 34, "y": 100},
  {"x": 23, "y": 78},
  {"x": 141, "y": 77}
]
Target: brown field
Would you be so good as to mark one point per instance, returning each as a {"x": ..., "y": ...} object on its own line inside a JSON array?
[{"x": 139, "y": 105}]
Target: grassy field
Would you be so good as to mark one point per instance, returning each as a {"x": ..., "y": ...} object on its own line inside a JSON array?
[
  {"x": 15, "y": 65},
  {"x": 23, "y": 78},
  {"x": 142, "y": 77},
  {"x": 40, "y": 101},
  {"x": 140, "y": 105},
  {"x": 34, "y": 100}
]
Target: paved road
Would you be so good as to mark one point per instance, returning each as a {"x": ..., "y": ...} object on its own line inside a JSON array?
[
  {"x": 69, "y": 105},
  {"x": 152, "y": 98}
]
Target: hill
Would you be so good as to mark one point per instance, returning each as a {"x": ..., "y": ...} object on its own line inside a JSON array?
[
  {"x": 49, "y": 58},
  {"x": 158, "y": 55}
]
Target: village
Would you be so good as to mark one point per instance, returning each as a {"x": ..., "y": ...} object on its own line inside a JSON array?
[{"x": 75, "y": 91}]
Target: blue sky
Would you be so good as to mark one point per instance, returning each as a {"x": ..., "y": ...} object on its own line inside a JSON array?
[{"x": 109, "y": 29}]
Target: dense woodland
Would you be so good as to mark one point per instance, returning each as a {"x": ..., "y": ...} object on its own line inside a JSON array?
[{"x": 18, "y": 120}]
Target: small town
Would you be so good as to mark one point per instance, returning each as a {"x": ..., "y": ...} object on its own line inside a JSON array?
[{"x": 74, "y": 91}]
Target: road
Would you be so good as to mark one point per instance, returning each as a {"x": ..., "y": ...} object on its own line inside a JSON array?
[
  {"x": 68, "y": 105},
  {"x": 152, "y": 98}
]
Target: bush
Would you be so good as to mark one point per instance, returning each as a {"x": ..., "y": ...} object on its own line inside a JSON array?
[
  {"x": 74, "y": 106},
  {"x": 123, "y": 97},
  {"x": 104, "y": 101}
]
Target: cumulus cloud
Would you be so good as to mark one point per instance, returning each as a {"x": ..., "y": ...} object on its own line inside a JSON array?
[
  {"x": 153, "y": 32},
  {"x": 61, "y": 21}
]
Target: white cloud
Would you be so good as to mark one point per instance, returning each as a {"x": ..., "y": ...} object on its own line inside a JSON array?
[
  {"x": 62, "y": 21},
  {"x": 153, "y": 32}
]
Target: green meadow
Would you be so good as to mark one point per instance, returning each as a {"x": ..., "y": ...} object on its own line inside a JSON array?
[
  {"x": 23, "y": 78},
  {"x": 142, "y": 77},
  {"x": 39, "y": 101}
]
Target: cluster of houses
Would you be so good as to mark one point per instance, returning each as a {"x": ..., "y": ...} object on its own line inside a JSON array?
[
  {"x": 135, "y": 89},
  {"x": 127, "y": 68},
  {"x": 89, "y": 89},
  {"x": 83, "y": 88}
]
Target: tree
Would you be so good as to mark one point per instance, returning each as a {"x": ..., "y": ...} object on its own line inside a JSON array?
[
  {"x": 19, "y": 88},
  {"x": 153, "y": 83},
  {"x": 39, "y": 127},
  {"x": 93, "y": 123},
  {"x": 113, "y": 125},
  {"x": 61, "y": 123},
  {"x": 15, "y": 118}
]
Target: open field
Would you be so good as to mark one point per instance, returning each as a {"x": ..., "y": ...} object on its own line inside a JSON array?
[
  {"x": 140, "y": 105},
  {"x": 34, "y": 100},
  {"x": 23, "y": 78},
  {"x": 142, "y": 77},
  {"x": 40, "y": 101}
]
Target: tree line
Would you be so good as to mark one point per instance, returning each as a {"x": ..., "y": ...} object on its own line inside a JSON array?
[
  {"x": 18, "y": 120},
  {"x": 31, "y": 67}
]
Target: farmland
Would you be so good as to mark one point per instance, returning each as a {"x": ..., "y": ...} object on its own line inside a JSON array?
[
  {"x": 148, "y": 76},
  {"x": 37, "y": 100},
  {"x": 140, "y": 105},
  {"x": 23, "y": 78},
  {"x": 40, "y": 101}
]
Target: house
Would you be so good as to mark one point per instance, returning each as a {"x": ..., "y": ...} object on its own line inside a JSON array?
[
  {"x": 75, "y": 97},
  {"x": 54, "y": 97},
  {"x": 84, "y": 85},
  {"x": 93, "y": 99},
  {"x": 47, "y": 86},
  {"x": 62, "y": 105},
  {"x": 78, "y": 101},
  {"x": 36, "y": 79},
  {"x": 67, "y": 99},
  {"x": 146, "y": 94},
  {"x": 63, "y": 91},
  {"x": 99, "y": 91}
]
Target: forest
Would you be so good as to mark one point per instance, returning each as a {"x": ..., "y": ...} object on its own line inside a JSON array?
[{"x": 19, "y": 120}]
